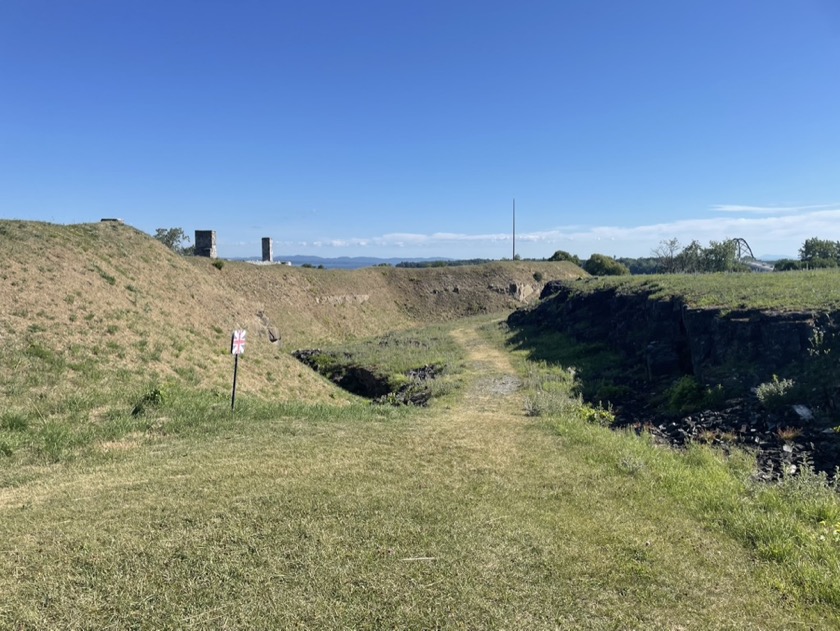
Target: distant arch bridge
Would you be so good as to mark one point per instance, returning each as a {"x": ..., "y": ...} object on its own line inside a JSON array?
[
  {"x": 742, "y": 249},
  {"x": 745, "y": 255}
]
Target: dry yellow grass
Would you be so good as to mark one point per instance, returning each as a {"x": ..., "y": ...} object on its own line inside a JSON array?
[{"x": 105, "y": 305}]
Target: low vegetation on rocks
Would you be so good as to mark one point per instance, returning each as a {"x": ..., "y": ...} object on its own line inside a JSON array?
[
  {"x": 399, "y": 368},
  {"x": 666, "y": 362}
]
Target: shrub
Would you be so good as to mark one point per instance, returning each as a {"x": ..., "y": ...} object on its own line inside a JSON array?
[
  {"x": 562, "y": 255},
  {"x": 533, "y": 406},
  {"x": 152, "y": 398},
  {"x": 218, "y": 264},
  {"x": 597, "y": 415},
  {"x": 602, "y": 265},
  {"x": 538, "y": 276},
  {"x": 775, "y": 394},
  {"x": 786, "y": 265}
]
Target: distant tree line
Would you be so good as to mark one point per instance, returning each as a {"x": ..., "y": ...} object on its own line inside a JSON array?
[
  {"x": 670, "y": 257},
  {"x": 719, "y": 256},
  {"x": 815, "y": 253},
  {"x": 722, "y": 256},
  {"x": 597, "y": 264}
]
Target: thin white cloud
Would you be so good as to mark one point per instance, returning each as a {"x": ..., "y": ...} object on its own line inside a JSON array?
[
  {"x": 769, "y": 210},
  {"x": 775, "y": 230}
]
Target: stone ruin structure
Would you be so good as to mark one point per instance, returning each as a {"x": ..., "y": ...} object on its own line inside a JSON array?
[
  {"x": 205, "y": 243},
  {"x": 267, "y": 254}
]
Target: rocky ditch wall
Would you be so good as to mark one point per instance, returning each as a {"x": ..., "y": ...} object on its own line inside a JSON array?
[
  {"x": 673, "y": 339},
  {"x": 739, "y": 349},
  {"x": 368, "y": 382}
]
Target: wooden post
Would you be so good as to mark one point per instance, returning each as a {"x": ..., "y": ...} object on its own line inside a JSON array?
[
  {"x": 237, "y": 347},
  {"x": 233, "y": 394},
  {"x": 513, "y": 257}
]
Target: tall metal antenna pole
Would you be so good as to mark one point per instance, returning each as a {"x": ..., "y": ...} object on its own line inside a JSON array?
[{"x": 513, "y": 258}]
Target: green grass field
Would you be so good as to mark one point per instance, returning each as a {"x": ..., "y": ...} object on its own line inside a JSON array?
[
  {"x": 475, "y": 513},
  {"x": 781, "y": 291}
]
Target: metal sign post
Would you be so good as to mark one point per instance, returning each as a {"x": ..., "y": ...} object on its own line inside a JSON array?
[{"x": 237, "y": 348}]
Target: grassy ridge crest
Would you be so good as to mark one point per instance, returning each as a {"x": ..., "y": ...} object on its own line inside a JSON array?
[{"x": 795, "y": 291}]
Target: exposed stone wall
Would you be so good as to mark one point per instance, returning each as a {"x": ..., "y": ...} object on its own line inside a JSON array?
[{"x": 673, "y": 338}]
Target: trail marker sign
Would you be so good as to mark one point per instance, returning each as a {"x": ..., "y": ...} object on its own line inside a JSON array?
[{"x": 237, "y": 342}]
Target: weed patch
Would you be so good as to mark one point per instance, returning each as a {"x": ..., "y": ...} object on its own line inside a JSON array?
[
  {"x": 14, "y": 422},
  {"x": 776, "y": 394},
  {"x": 153, "y": 398},
  {"x": 687, "y": 395}
]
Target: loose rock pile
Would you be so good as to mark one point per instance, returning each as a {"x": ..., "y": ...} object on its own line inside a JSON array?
[{"x": 782, "y": 442}]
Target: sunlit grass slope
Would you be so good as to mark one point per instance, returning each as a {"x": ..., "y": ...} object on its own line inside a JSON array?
[
  {"x": 94, "y": 317},
  {"x": 815, "y": 290}
]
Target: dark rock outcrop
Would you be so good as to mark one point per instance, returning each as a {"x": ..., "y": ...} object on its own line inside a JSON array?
[
  {"x": 368, "y": 382},
  {"x": 739, "y": 349},
  {"x": 671, "y": 338}
]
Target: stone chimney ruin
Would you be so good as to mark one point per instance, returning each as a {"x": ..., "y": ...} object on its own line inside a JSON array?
[{"x": 205, "y": 243}]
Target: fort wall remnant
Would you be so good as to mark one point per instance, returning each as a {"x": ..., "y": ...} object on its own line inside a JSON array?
[
  {"x": 267, "y": 254},
  {"x": 205, "y": 243}
]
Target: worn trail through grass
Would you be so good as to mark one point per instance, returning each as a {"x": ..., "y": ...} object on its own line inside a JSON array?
[
  {"x": 469, "y": 515},
  {"x": 488, "y": 420}
]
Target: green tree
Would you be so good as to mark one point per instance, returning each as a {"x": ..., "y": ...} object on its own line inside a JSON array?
[
  {"x": 690, "y": 260},
  {"x": 562, "y": 255},
  {"x": 642, "y": 265},
  {"x": 173, "y": 238},
  {"x": 603, "y": 265},
  {"x": 785, "y": 265},
  {"x": 720, "y": 256},
  {"x": 815, "y": 248}
]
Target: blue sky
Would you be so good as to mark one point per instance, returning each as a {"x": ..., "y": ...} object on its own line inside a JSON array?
[{"x": 396, "y": 128}]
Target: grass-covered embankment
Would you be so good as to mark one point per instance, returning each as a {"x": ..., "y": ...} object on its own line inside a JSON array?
[
  {"x": 95, "y": 316},
  {"x": 816, "y": 290}
]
